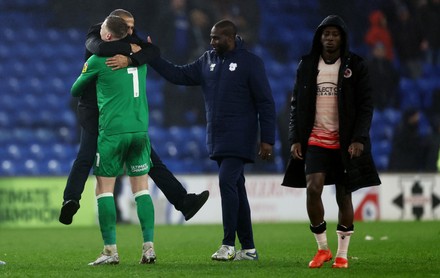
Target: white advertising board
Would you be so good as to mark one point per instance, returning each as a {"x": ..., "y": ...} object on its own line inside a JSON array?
[{"x": 269, "y": 201}]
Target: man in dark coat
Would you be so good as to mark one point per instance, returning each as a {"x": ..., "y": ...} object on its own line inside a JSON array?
[
  {"x": 239, "y": 104},
  {"x": 330, "y": 119}
]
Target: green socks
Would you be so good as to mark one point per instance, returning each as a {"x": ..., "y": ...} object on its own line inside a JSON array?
[
  {"x": 145, "y": 211},
  {"x": 107, "y": 217}
]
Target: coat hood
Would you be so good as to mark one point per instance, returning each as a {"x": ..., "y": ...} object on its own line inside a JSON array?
[{"x": 331, "y": 20}]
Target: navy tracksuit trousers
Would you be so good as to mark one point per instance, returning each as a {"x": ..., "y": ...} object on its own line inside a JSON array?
[{"x": 236, "y": 212}]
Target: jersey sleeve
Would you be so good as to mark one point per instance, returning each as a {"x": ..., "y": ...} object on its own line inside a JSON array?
[{"x": 89, "y": 74}]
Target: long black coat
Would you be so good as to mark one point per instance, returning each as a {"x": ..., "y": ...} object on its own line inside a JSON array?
[{"x": 355, "y": 108}]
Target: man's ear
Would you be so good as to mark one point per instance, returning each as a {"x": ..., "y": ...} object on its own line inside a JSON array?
[{"x": 108, "y": 36}]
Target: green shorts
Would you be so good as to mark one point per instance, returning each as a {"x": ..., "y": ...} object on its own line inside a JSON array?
[{"x": 131, "y": 150}]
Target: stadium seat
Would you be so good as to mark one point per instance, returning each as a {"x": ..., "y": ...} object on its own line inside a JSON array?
[
  {"x": 24, "y": 135},
  {"x": 7, "y": 168},
  {"x": 381, "y": 162},
  {"x": 156, "y": 117},
  {"x": 53, "y": 167},
  {"x": 198, "y": 132},
  {"x": 4, "y": 121},
  {"x": 36, "y": 152},
  {"x": 427, "y": 87},
  {"x": 24, "y": 118},
  {"x": 392, "y": 116},
  {"x": 29, "y": 35},
  {"x": 46, "y": 136},
  {"x": 8, "y": 34},
  {"x": 382, "y": 147},
  {"x": 171, "y": 149},
  {"x": 31, "y": 167},
  {"x": 19, "y": 69},
  {"x": 409, "y": 94},
  {"x": 191, "y": 149},
  {"x": 75, "y": 36}
]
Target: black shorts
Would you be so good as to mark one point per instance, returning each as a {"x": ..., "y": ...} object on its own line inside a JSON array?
[{"x": 322, "y": 160}]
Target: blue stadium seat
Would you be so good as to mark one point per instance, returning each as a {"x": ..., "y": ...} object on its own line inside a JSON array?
[
  {"x": 425, "y": 127},
  {"x": 75, "y": 36},
  {"x": 24, "y": 135},
  {"x": 62, "y": 151},
  {"x": 191, "y": 149},
  {"x": 382, "y": 147},
  {"x": 22, "y": 50},
  {"x": 68, "y": 135},
  {"x": 53, "y": 167},
  {"x": 157, "y": 134},
  {"x": 54, "y": 35},
  {"x": 172, "y": 150},
  {"x": 5, "y": 52},
  {"x": 179, "y": 135},
  {"x": 156, "y": 117},
  {"x": 29, "y": 101},
  {"x": 431, "y": 71},
  {"x": 31, "y": 167},
  {"x": 34, "y": 86},
  {"x": 47, "y": 51},
  {"x": 381, "y": 162},
  {"x": 36, "y": 152},
  {"x": 46, "y": 136},
  {"x": 392, "y": 116},
  {"x": 6, "y": 136},
  {"x": 381, "y": 128},
  {"x": 8, "y": 34},
  {"x": 5, "y": 121},
  {"x": 7, "y": 168},
  {"x": 427, "y": 87},
  {"x": 155, "y": 97},
  {"x": 409, "y": 94},
  {"x": 19, "y": 69},
  {"x": 29, "y": 35}
]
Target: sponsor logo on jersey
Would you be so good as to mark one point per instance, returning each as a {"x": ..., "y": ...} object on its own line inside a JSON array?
[{"x": 84, "y": 67}]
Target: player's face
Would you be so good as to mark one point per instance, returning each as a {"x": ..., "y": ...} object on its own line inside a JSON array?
[
  {"x": 130, "y": 23},
  {"x": 331, "y": 39},
  {"x": 220, "y": 42}
]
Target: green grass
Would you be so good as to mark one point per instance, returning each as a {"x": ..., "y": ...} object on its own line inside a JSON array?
[{"x": 411, "y": 249}]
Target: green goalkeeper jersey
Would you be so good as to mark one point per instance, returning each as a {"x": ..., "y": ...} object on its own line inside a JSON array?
[{"x": 121, "y": 95}]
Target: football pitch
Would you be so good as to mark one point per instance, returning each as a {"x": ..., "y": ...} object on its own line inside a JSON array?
[{"x": 377, "y": 249}]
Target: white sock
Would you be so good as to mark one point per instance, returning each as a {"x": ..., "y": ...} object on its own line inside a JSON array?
[
  {"x": 321, "y": 239},
  {"x": 343, "y": 242},
  {"x": 147, "y": 245},
  {"x": 110, "y": 250}
]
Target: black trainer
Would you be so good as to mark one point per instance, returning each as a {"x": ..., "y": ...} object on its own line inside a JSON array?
[
  {"x": 193, "y": 203},
  {"x": 68, "y": 210}
]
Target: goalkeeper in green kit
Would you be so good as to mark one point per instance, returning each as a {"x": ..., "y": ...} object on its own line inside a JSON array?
[{"x": 123, "y": 142}]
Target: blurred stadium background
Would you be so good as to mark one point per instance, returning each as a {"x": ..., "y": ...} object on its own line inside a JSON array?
[{"x": 41, "y": 54}]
